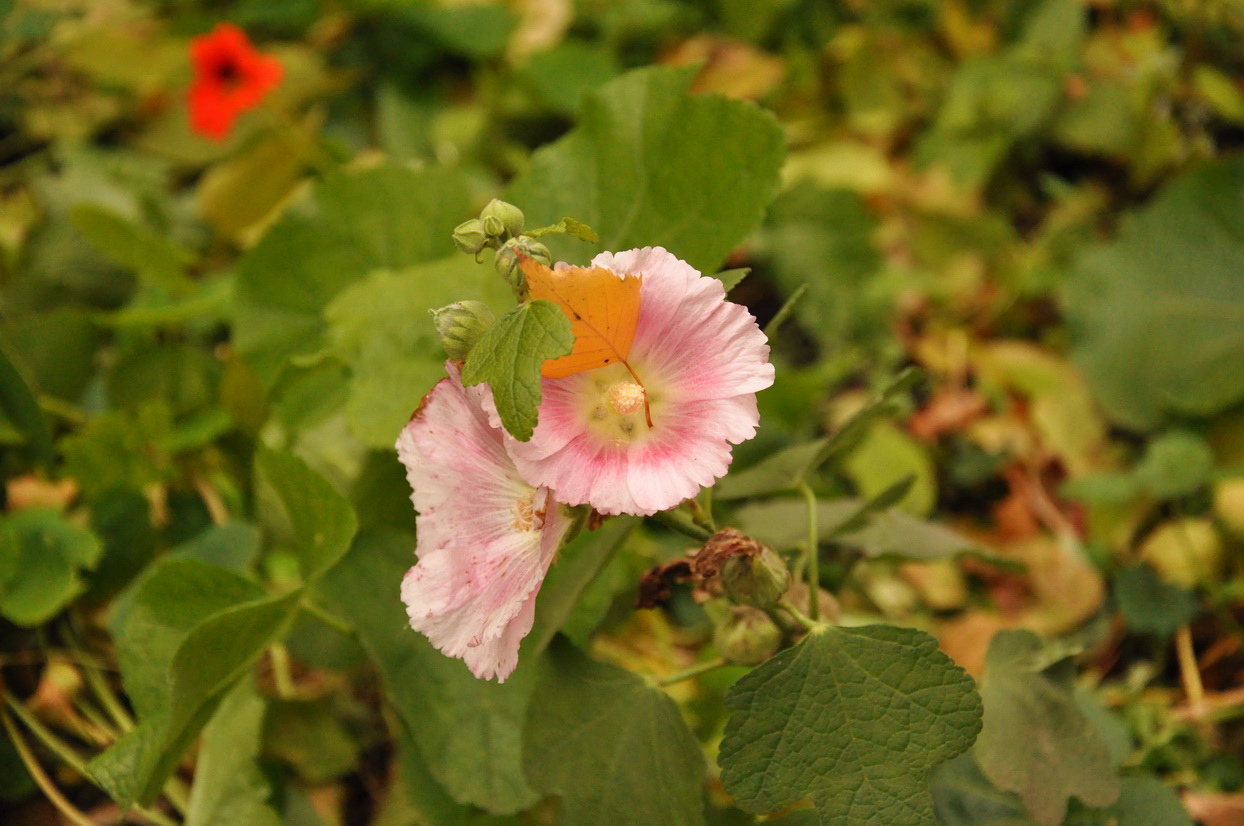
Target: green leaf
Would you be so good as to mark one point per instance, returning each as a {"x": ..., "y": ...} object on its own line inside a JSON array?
[
  {"x": 311, "y": 737},
  {"x": 122, "y": 519},
  {"x": 1151, "y": 606},
  {"x": 380, "y": 328},
  {"x": 214, "y": 655},
  {"x": 421, "y": 799},
  {"x": 733, "y": 278},
  {"x": 578, "y": 564},
  {"x": 1157, "y": 315},
  {"x": 42, "y": 554},
  {"x": 650, "y": 163},
  {"x": 120, "y": 449},
  {"x": 855, "y": 719},
  {"x": 824, "y": 239},
  {"x": 468, "y": 731},
  {"x": 783, "y": 470},
  {"x": 1146, "y": 801},
  {"x": 229, "y": 785},
  {"x": 509, "y": 356},
  {"x": 322, "y": 518},
  {"x": 191, "y": 632},
  {"x": 612, "y": 745},
  {"x": 19, "y": 406},
  {"x": 233, "y": 546},
  {"x": 885, "y": 455},
  {"x": 1175, "y": 464},
  {"x": 963, "y": 796},
  {"x": 788, "y": 468},
  {"x": 355, "y": 222},
  {"x": 1028, "y": 701},
  {"x": 171, "y": 598},
  {"x": 888, "y": 533},
  {"x": 154, "y": 258}
]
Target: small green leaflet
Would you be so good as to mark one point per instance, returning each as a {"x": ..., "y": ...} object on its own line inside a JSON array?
[
  {"x": 1036, "y": 741},
  {"x": 323, "y": 520},
  {"x": 42, "y": 555},
  {"x": 614, "y": 747},
  {"x": 1149, "y": 605},
  {"x": 509, "y": 356},
  {"x": 853, "y": 718}
]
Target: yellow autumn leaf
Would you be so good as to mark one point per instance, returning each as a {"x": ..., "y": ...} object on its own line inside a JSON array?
[{"x": 603, "y": 310}]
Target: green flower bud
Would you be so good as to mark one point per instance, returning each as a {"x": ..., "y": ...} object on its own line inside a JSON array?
[
  {"x": 501, "y": 218},
  {"x": 506, "y": 261},
  {"x": 758, "y": 579},
  {"x": 469, "y": 237},
  {"x": 460, "y": 325},
  {"x": 746, "y": 636}
]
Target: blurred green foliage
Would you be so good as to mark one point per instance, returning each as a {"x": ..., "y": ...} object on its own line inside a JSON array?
[{"x": 207, "y": 350}]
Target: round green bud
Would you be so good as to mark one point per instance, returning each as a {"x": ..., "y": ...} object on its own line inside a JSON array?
[
  {"x": 501, "y": 218},
  {"x": 758, "y": 579},
  {"x": 506, "y": 261},
  {"x": 460, "y": 325},
  {"x": 746, "y": 636},
  {"x": 493, "y": 227},
  {"x": 469, "y": 237}
]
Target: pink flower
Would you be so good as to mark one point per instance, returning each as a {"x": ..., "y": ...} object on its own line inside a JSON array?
[
  {"x": 700, "y": 360},
  {"x": 486, "y": 537}
]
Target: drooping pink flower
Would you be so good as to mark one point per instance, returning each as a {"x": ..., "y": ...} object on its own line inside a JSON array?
[
  {"x": 700, "y": 359},
  {"x": 485, "y": 537}
]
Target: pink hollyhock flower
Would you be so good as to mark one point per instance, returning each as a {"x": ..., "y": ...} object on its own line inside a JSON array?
[
  {"x": 486, "y": 537},
  {"x": 700, "y": 360}
]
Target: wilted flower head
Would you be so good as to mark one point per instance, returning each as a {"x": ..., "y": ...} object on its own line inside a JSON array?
[
  {"x": 486, "y": 537},
  {"x": 699, "y": 360},
  {"x": 230, "y": 76}
]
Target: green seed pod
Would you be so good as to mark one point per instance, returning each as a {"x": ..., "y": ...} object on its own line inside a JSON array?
[
  {"x": 460, "y": 325},
  {"x": 758, "y": 579},
  {"x": 746, "y": 636}
]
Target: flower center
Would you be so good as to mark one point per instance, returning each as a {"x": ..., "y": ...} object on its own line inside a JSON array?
[
  {"x": 625, "y": 398},
  {"x": 528, "y": 512},
  {"x": 616, "y": 406}
]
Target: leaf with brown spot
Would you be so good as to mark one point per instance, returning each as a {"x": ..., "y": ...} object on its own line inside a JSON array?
[{"x": 603, "y": 309}]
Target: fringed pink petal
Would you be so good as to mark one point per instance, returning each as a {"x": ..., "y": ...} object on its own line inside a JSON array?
[{"x": 486, "y": 538}]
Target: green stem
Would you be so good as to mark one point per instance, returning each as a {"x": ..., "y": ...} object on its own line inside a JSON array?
[
  {"x": 706, "y": 509},
  {"x": 45, "y": 784},
  {"x": 332, "y": 621},
  {"x": 677, "y": 521},
  {"x": 798, "y": 616},
  {"x": 694, "y": 671},
  {"x": 281, "y": 675},
  {"x": 814, "y": 554},
  {"x": 62, "y": 750}
]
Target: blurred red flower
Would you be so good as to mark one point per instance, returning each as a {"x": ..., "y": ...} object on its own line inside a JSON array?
[{"x": 230, "y": 76}]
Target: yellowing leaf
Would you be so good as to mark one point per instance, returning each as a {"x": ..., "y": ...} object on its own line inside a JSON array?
[{"x": 603, "y": 310}]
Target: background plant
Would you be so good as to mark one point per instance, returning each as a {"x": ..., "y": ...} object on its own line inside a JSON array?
[{"x": 208, "y": 349}]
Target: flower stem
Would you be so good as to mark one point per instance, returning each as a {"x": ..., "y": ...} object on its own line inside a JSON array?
[
  {"x": 281, "y": 674},
  {"x": 814, "y": 553},
  {"x": 677, "y": 521},
  {"x": 331, "y": 620},
  {"x": 45, "y": 784},
  {"x": 694, "y": 671},
  {"x": 798, "y": 616}
]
